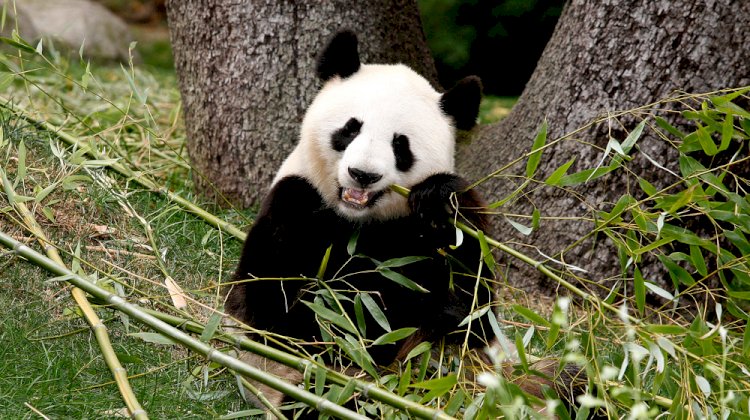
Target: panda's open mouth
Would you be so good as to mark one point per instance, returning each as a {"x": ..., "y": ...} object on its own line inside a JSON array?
[{"x": 359, "y": 199}]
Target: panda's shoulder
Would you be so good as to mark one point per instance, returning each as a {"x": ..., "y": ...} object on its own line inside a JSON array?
[{"x": 291, "y": 195}]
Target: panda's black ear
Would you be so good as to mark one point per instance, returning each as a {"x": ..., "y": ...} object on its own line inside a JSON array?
[
  {"x": 340, "y": 57},
  {"x": 462, "y": 102}
]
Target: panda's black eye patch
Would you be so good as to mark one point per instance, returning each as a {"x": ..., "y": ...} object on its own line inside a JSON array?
[
  {"x": 341, "y": 138},
  {"x": 402, "y": 151}
]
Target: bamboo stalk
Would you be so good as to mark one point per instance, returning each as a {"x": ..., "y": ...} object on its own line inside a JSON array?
[
  {"x": 211, "y": 353},
  {"x": 138, "y": 177},
  {"x": 368, "y": 389},
  {"x": 100, "y": 330}
]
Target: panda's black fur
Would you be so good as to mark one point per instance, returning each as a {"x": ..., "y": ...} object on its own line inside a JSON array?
[{"x": 302, "y": 217}]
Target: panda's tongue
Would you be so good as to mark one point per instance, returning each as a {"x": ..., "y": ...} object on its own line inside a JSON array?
[{"x": 355, "y": 196}]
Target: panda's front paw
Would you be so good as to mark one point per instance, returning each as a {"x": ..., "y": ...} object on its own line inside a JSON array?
[{"x": 433, "y": 204}]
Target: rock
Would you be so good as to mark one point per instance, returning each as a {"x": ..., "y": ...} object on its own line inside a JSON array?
[{"x": 69, "y": 24}]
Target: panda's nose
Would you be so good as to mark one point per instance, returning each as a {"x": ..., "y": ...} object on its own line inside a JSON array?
[{"x": 364, "y": 178}]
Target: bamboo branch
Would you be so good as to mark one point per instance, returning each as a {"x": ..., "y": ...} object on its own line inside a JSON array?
[
  {"x": 211, "y": 353},
  {"x": 368, "y": 389},
  {"x": 539, "y": 265},
  {"x": 100, "y": 330},
  {"x": 136, "y": 176}
]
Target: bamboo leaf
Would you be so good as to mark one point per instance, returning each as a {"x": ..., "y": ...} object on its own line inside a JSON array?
[
  {"x": 531, "y": 315},
  {"x": 446, "y": 382},
  {"x": 559, "y": 173},
  {"x": 375, "y": 311},
  {"x": 41, "y": 195},
  {"x": 521, "y": 351},
  {"x": 639, "y": 289},
  {"x": 633, "y": 137},
  {"x": 175, "y": 293},
  {"x": 552, "y": 334},
  {"x": 536, "y": 150},
  {"x": 647, "y": 187},
  {"x": 394, "y": 336},
  {"x": 331, "y": 316},
  {"x": 419, "y": 349},
  {"x": 347, "y": 392},
  {"x": 98, "y": 163},
  {"x": 678, "y": 274},
  {"x": 703, "y": 385},
  {"x": 359, "y": 313},
  {"x": 727, "y": 131},
  {"x": 659, "y": 291},
  {"x": 405, "y": 380},
  {"x": 400, "y": 262},
  {"x": 154, "y": 338},
  {"x": 669, "y": 128},
  {"x": 696, "y": 258},
  {"x": 474, "y": 315},
  {"x": 320, "y": 379},
  {"x": 669, "y": 329},
  {"x": 21, "y": 170},
  {"x": 402, "y": 280},
  {"x": 526, "y": 231},
  {"x": 585, "y": 175},
  {"x": 437, "y": 387},
  {"x": 737, "y": 238},
  {"x": 324, "y": 263},
  {"x": 211, "y": 326},
  {"x": 489, "y": 259},
  {"x": 351, "y": 246},
  {"x": 352, "y": 348},
  {"x": 18, "y": 44},
  {"x": 49, "y": 214},
  {"x": 706, "y": 142},
  {"x": 455, "y": 403}
]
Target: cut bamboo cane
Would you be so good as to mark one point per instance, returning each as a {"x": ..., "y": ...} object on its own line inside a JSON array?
[
  {"x": 211, "y": 353},
  {"x": 100, "y": 330}
]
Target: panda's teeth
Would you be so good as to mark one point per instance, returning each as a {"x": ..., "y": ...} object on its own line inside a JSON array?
[{"x": 355, "y": 196}]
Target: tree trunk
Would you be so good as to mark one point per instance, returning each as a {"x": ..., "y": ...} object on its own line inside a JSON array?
[
  {"x": 246, "y": 75},
  {"x": 604, "y": 56}
]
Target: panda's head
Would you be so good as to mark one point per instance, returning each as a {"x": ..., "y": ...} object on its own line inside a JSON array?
[{"x": 374, "y": 125}]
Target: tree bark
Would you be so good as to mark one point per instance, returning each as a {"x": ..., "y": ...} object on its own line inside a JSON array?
[
  {"x": 604, "y": 56},
  {"x": 246, "y": 75}
]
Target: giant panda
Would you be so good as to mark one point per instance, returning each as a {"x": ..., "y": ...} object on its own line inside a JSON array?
[{"x": 369, "y": 127}]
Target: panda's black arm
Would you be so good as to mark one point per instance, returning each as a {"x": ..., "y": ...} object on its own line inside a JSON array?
[
  {"x": 282, "y": 243},
  {"x": 430, "y": 203}
]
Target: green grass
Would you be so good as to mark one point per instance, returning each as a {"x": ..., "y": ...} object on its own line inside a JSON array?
[{"x": 49, "y": 361}]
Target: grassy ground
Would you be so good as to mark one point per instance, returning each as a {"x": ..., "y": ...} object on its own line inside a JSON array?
[
  {"x": 51, "y": 363},
  {"x": 132, "y": 239}
]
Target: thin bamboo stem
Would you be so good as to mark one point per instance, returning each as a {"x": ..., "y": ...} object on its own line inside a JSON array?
[
  {"x": 551, "y": 274},
  {"x": 368, "y": 389},
  {"x": 211, "y": 353},
  {"x": 100, "y": 330}
]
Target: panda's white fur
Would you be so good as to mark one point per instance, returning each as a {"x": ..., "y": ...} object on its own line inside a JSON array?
[{"x": 411, "y": 108}]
